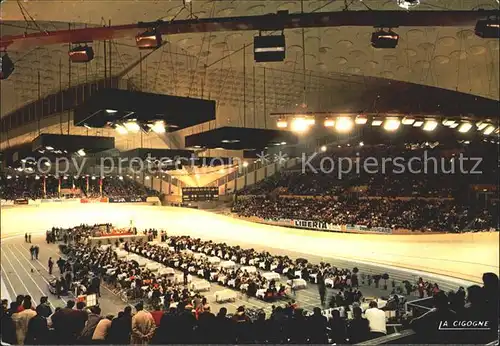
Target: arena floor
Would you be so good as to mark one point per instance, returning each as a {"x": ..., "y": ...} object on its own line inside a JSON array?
[{"x": 450, "y": 261}]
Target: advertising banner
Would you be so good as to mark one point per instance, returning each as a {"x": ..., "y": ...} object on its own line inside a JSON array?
[
  {"x": 93, "y": 200},
  {"x": 6, "y": 202},
  {"x": 319, "y": 225},
  {"x": 71, "y": 192},
  {"x": 47, "y": 201},
  {"x": 127, "y": 199},
  {"x": 362, "y": 228},
  {"x": 21, "y": 201}
]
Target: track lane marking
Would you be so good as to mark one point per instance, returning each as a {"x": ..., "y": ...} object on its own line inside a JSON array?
[
  {"x": 22, "y": 282},
  {"x": 29, "y": 262},
  {"x": 6, "y": 276},
  {"x": 28, "y": 273}
]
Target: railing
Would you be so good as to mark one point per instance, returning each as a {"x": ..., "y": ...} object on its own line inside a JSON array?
[{"x": 391, "y": 338}]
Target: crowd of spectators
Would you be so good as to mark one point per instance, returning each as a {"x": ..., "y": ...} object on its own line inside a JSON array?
[
  {"x": 411, "y": 214},
  {"x": 30, "y": 186},
  {"x": 433, "y": 172},
  {"x": 187, "y": 317}
]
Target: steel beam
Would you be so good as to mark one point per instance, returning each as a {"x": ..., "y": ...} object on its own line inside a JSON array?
[{"x": 254, "y": 23}]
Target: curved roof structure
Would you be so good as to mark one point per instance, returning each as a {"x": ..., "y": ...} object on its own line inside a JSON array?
[{"x": 220, "y": 66}]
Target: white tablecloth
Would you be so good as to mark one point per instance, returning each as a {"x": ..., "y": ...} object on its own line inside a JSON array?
[
  {"x": 271, "y": 276},
  {"x": 227, "y": 264},
  {"x": 249, "y": 269},
  {"x": 166, "y": 271},
  {"x": 214, "y": 260},
  {"x": 225, "y": 295},
  {"x": 153, "y": 266},
  {"x": 298, "y": 283},
  {"x": 200, "y": 285}
]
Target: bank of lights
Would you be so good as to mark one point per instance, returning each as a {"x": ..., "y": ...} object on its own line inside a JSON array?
[{"x": 345, "y": 124}]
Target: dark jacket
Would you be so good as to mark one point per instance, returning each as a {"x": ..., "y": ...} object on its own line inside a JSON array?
[
  {"x": 121, "y": 328},
  {"x": 38, "y": 331}
]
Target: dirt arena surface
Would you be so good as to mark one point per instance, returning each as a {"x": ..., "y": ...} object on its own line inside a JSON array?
[{"x": 451, "y": 260}]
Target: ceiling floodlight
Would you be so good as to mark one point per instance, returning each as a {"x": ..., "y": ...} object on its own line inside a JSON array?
[
  {"x": 465, "y": 127},
  {"x": 391, "y": 125},
  {"x": 344, "y": 124},
  {"x": 329, "y": 123},
  {"x": 377, "y": 122},
  {"x": 489, "y": 130},
  {"x": 361, "y": 120},
  {"x": 282, "y": 123},
  {"x": 430, "y": 125},
  {"x": 300, "y": 125},
  {"x": 418, "y": 123},
  {"x": 132, "y": 126},
  {"x": 407, "y": 121}
]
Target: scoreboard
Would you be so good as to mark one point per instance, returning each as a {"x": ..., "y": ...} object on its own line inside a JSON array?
[{"x": 199, "y": 194}]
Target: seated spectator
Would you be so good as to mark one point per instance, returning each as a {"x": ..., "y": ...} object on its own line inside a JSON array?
[
  {"x": 376, "y": 320},
  {"x": 102, "y": 329},
  {"x": 21, "y": 320},
  {"x": 359, "y": 327},
  {"x": 38, "y": 331}
]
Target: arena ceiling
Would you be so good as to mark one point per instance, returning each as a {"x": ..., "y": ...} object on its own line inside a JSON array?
[{"x": 215, "y": 65}]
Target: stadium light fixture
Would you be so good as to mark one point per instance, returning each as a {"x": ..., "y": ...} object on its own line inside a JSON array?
[
  {"x": 407, "y": 121},
  {"x": 323, "y": 148},
  {"x": 150, "y": 39},
  {"x": 132, "y": 126},
  {"x": 489, "y": 130},
  {"x": 344, "y": 124},
  {"x": 361, "y": 120},
  {"x": 377, "y": 122},
  {"x": 454, "y": 125},
  {"x": 361, "y": 144},
  {"x": 37, "y": 177},
  {"x": 111, "y": 111},
  {"x": 384, "y": 39},
  {"x": 449, "y": 122},
  {"x": 121, "y": 129},
  {"x": 6, "y": 66},
  {"x": 282, "y": 123},
  {"x": 81, "y": 54},
  {"x": 488, "y": 28},
  {"x": 245, "y": 164},
  {"x": 158, "y": 127},
  {"x": 391, "y": 124},
  {"x": 430, "y": 125},
  {"x": 464, "y": 127},
  {"x": 329, "y": 122},
  {"x": 481, "y": 125},
  {"x": 271, "y": 48},
  {"x": 300, "y": 125},
  {"x": 311, "y": 121},
  {"x": 418, "y": 123},
  {"x": 81, "y": 152}
]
